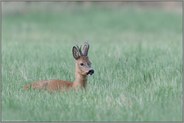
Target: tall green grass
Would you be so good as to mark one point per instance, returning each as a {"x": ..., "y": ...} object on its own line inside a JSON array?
[{"x": 136, "y": 55}]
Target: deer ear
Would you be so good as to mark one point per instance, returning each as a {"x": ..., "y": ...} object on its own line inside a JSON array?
[
  {"x": 85, "y": 49},
  {"x": 76, "y": 53}
]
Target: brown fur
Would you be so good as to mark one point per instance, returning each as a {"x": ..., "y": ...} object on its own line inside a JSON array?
[{"x": 54, "y": 85}]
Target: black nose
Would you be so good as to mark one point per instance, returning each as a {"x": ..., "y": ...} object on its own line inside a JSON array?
[{"x": 91, "y": 72}]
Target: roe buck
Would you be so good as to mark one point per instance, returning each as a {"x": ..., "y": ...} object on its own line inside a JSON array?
[{"x": 82, "y": 69}]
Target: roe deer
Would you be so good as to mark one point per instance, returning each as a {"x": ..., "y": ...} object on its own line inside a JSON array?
[{"x": 82, "y": 69}]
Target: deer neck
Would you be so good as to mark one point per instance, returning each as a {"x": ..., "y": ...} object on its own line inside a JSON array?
[{"x": 80, "y": 80}]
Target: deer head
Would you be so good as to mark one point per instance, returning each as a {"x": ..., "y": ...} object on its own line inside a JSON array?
[{"x": 83, "y": 64}]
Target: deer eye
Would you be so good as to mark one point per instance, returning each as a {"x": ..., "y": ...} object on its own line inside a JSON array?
[{"x": 81, "y": 64}]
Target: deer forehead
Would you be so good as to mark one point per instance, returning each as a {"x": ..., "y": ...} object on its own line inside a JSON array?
[{"x": 83, "y": 59}]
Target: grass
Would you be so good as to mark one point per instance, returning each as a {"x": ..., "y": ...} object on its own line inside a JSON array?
[{"x": 136, "y": 55}]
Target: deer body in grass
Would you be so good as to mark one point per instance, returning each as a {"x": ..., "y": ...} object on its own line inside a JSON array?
[{"x": 82, "y": 70}]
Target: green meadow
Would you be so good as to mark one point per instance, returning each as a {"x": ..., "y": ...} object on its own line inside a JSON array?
[{"x": 136, "y": 54}]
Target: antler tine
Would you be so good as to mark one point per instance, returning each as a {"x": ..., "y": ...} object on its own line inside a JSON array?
[{"x": 79, "y": 49}]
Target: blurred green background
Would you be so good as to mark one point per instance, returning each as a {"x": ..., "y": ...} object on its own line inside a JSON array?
[{"x": 135, "y": 49}]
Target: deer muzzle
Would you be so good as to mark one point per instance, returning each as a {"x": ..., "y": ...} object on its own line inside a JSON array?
[{"x": 90, "y": 72}]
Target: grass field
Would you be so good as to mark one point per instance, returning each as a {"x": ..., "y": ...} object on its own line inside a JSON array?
[{"x": 136, "y": 55}]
